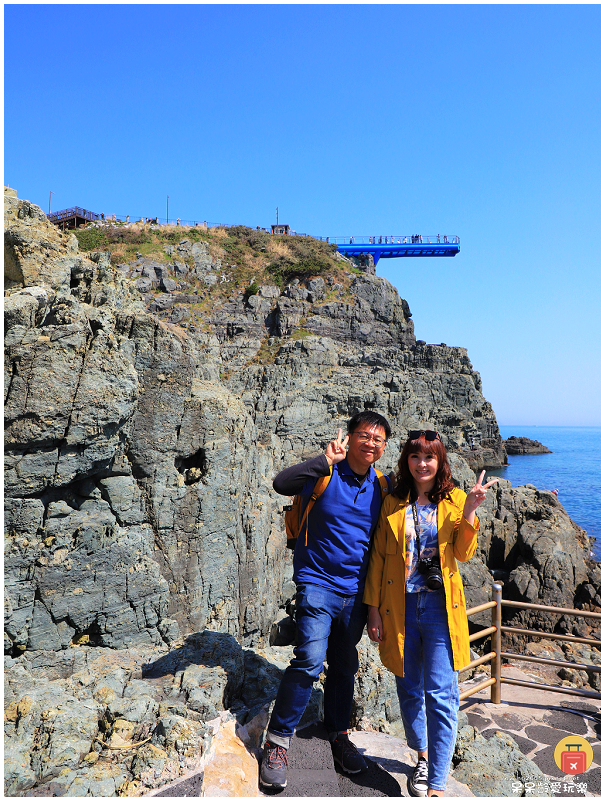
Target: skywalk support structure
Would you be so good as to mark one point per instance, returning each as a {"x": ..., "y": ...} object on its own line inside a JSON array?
[{"x": 396, "y": 246}]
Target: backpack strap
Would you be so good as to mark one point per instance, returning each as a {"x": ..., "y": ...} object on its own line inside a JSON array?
[
  {"x": 384, "y": 482},
  {"x": 318, "y": 489}
]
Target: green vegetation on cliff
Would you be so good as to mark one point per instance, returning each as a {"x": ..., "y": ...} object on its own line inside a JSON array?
[{"x": 269, "y": 259}]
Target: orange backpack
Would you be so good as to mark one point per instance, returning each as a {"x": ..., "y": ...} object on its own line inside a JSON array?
[{"x": 295, "y": 518}]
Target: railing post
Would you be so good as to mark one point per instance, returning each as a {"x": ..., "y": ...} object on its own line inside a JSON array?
[{"x": 495, "y": 664}]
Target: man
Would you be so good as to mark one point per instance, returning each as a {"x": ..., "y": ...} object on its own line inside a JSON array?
[{"x": 330, "y": 564}]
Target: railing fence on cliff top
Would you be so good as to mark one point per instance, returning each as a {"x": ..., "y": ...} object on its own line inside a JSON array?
[
  {"x": 497, "y": 654},
  {"x": 128, "y": 219}
]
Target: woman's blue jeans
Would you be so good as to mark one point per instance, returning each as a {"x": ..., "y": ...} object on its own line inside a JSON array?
[
  {"x": 429, "y": 691},
  {"x": 328, "y": 626}
]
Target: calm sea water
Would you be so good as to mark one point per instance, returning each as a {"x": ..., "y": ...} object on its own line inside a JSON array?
[{"x": 573, "y": 468}]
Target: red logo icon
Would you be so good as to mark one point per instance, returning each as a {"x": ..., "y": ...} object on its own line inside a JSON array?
[{"x": 573, "y": 761}]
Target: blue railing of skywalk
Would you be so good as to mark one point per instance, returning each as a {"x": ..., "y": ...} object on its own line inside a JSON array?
[{"x": 438, "y": 238}]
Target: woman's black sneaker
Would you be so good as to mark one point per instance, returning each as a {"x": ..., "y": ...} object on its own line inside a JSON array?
[
  {"x": 418, "y": 781},
  {"x": 273, "y": 766}
]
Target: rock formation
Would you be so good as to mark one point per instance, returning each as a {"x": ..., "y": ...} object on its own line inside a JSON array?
[
  {"x": 148, "y": 405},
  {"x": 522, "y": 446}
]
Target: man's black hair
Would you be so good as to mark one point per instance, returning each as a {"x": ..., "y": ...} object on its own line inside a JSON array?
[{"x": 371, "y": 419}]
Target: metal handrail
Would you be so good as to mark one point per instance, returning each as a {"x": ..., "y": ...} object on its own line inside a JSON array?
[
  {"x": 544, "y": 686},
  {"x": 482, "y": 660},
  {"x": 75, "y": 211},
  {"x": 483, "y": 607},
  {"x": 544, "y": 635},
  {"x": 496, "y": 629},
  {"x": 574, "y": 612},
  {"x": 482, "y": 634},
  {"x": 392, "y": 240},
  {"x": 554, "y": 662}
]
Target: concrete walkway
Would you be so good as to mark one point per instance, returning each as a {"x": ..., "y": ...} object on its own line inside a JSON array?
[{"x": 537, "y": 720}]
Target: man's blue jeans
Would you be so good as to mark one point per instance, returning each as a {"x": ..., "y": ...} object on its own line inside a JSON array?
[
  {"x": 328, "y": 626},
  {"x": 429, "y": 691}
]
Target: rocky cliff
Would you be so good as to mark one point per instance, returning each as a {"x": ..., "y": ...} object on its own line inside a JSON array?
[{"x": 150, "y": 398}]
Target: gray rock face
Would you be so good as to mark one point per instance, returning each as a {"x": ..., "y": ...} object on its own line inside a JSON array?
[
  {"x": 135, "y": 448},
  {"x": 376, "y": 702},
  {"x": 126, "y": 473},
  {"x": 47, "y": 730}
]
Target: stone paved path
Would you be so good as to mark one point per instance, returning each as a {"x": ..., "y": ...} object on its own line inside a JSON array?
[{"x": 537, "y": 721}]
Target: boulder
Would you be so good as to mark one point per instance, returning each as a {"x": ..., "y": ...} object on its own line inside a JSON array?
[
  {"x": 491, "y": 767},
  {"x": 522, "y": 446}
]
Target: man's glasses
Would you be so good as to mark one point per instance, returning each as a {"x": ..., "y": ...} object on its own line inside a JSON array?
[
  {"x": 429, "y": 436},
  {"x": 367, "y": 437}
]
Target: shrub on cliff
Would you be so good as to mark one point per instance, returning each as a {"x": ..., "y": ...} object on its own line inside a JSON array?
[
  {"x": 253, "y": 288},
  {"x": 305, "y": 257},
  {"x": 92, "y": 239},
  {"x": 284, "y": 269},
  {"x": 255, "y": 239},
  {"x": 102, "y": 238},
  {"x": 127, "y": 236}
]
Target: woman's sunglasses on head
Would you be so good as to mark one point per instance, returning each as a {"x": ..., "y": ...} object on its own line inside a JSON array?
[{"x": 429, "y": 436}]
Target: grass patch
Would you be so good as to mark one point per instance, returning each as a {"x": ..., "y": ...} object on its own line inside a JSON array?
[
  {"x": 300, "y": 333},
  {"x": 249, "y": 258},
  {"x": 266, "y": 354},
  {"x": 253, "y": 288},
  {"x": 128, "y": 236},
  {"x": 300, "y": 257},
  {"x": 92, "y": 239}
]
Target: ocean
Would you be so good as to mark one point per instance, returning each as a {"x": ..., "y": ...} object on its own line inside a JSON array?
[{"x": 573, "y": 468}]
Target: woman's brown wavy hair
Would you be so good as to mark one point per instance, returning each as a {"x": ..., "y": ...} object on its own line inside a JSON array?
[{"x": 403, "y": 480}]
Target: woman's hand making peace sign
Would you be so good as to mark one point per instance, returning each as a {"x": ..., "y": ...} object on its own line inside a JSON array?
[
  {"x": 336, "y": 450},
  {"x": 475, "y": 496}
]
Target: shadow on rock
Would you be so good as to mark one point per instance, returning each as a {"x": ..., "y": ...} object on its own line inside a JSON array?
[
  {"x": 376, "y": 781},
  {"x": 208, "y": 670},
  {"x": 213, "y": 672}
]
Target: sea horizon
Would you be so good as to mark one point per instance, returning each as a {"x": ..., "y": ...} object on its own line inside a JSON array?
[{"x": 525, "y": 425}]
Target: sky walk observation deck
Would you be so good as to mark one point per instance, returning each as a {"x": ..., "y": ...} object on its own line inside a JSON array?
[
  {"x": 395, "y": 246},
  {"x": 75, "y": 217},
  {"x": 350, "y": 246}
]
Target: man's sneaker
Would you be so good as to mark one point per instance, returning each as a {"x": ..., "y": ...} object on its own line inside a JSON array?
[
  {"x": 418, "y": 781},
  {"x": 346, "y": 755},
  {"x": 273, "y": 766}
]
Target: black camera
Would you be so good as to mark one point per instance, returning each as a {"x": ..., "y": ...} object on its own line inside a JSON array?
[{"x": 430, "y": 567}]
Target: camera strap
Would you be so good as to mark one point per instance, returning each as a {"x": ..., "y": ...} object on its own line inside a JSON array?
[{"x": 416, "y": 526}]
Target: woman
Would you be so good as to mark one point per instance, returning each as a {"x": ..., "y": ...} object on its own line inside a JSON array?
[{"x": 415, "y": 599}]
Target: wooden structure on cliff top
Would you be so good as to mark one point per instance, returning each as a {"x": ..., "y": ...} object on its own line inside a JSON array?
[{"x": 71, "y": 218}]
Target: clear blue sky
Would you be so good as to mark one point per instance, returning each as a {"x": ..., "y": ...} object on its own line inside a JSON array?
[{"x": 481, "y": 121}]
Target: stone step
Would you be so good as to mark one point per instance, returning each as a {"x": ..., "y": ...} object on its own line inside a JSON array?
[
  {"x": 313, "y": 773},
  {"x": 311, "y": 770}
]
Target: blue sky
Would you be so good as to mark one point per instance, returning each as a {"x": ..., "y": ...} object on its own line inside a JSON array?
[{"x": 481, "y": 121}]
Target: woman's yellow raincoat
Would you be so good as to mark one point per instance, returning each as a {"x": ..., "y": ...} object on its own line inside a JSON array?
[{"x": 386, "y": 575}]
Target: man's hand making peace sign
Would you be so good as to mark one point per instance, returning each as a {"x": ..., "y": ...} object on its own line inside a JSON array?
[
  {"x": 336, "y": 450},
  {"x": 475, "y": 496}
]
